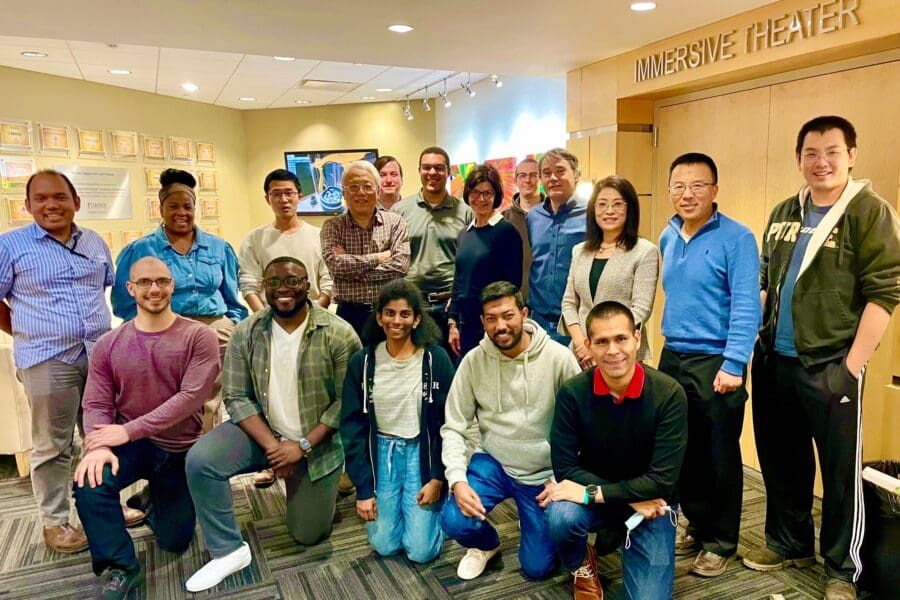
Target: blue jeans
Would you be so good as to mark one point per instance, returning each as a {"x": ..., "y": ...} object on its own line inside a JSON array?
[
  {"x": 648, "y": 564},
  {"x": 549, "y": 325},
  {"x": 537, "y": 553},
  {"x": 402, "y": 524},
  {"x": 171, "y": 512}
]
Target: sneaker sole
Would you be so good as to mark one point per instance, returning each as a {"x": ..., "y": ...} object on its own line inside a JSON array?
[
  {"x": 74, "y": 550},
  {"x": 788, "y": 562}
]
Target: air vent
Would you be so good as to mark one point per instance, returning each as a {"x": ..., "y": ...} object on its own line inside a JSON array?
[{"x": 327, "y": 86}]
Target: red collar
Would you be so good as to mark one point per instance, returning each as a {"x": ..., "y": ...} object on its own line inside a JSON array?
[{"x": 634, "y": 389}]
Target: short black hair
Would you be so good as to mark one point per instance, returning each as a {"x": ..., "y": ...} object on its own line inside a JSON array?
[
  {"x": 50, "y": 172},
  {"x": 502, "y": 289},
  {"x": 281, "y": 175},
  {"x": 696, "y": 158},
  {"x": 170, "y": 176},
  {"x": 426, "y": 334},
  {"x": 480, "y": 174},
  {"x": 286, "y": 259},
  {"x": 434, "y": 150},
  {"x": 607, "y": 310},
  {"x": 826, "y": 123},
  {"x": 593, "y": 235},
  {"x": 387, "y": 158}
]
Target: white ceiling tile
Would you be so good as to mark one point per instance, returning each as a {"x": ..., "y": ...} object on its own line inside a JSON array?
[
  {"x": 51, "y": 68},
  {"x": 350, "y": 72}
]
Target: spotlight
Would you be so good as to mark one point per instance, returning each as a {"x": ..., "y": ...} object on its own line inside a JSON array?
[
  {"x": 425, "y": 104},
  {"x": 444, "y": 99},
  {"x": 496, "y": 80},
  {"x": 407, "y": 111}
]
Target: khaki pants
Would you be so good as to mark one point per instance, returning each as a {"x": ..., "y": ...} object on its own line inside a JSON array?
[{"x": 223, "y": 327}]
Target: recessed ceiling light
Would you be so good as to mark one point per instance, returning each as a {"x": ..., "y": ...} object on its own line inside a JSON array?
[
  {"x": 247, "y": 99},
  {"x": 642, "y": 6},
  {"x": 303, "y": 101},
  {"x": 190, "y": 87},
  {"x": 32, "y": 54},
  {"x": 368, "y": 97},
  {"x": 384, "y": 90},
  {"x": 400, "y": 28},
  {"x": 119, "y": 72},
  {"x": 284, "y": 58}
]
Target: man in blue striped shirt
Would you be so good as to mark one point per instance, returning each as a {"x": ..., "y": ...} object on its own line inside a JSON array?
[{"x": 53, "y": 275}]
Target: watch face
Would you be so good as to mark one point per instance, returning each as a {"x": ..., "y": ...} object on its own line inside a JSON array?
[{"x": 592, "y": 490}]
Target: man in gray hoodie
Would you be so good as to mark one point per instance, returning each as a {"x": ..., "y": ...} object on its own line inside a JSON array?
[{"x": 509, "y": 383}]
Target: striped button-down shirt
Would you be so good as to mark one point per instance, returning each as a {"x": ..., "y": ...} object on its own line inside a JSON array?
[
  {"x": 56, "y": 292},
  {"x": 357, "y": 273},
  {"x": 326, "y": 348}
]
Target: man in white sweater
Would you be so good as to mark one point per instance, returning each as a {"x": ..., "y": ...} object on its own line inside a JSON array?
[{"x": 509, "y": 383}]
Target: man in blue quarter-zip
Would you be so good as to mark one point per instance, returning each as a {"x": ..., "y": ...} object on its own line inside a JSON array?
[{"x": 710, "y": 318}]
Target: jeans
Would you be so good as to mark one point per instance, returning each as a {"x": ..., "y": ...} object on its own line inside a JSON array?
[
  {"x": 402, "y": 524},
  {"x": 648, "y": 563},
  {"x": 549, "y": 323},
  {"x": 537, "y": 552},
  {"x": 171, "y": 512},
  {"x": 227, "y": 451}
]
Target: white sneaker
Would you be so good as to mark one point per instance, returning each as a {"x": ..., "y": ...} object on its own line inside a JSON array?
[
  {"x": 473, "y": 563},
  {"x": 213, "y": 572}
]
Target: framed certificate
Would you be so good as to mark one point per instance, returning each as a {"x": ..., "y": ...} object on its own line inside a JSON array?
[
  {"x": 131, "y": 236},
  {"x": 154, "y": 147},
  {"x": 17, "y": 211},
  {"x": 54, "y": 138},
  {"x": 208, "y": 180},
  {"x": 151, "y": 177},
  {"x": 15, "y": 136},
  {"x": 206, "y": 152},
  {"x": 209, "y": 208},
  {"x": 180, "y": 148},
  {"x": 123, "y": 144},
  {"x": 15, "y": 171},
  {"x": 213, "y": 229},
  {"x": 153, "y": 208},
  {"x": 107, "y": 237},
  {"x": 90, "y": 142}
]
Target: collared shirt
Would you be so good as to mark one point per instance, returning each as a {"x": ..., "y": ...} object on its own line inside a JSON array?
[
  {"x": 357, "y": 274},
  {"x": 552, "y": 236},
  {"x": 325, "y": 350},
  {"x": 56, "y": 292},
  {"x": 634, "y": 390},
  {"x": 206, "y": 278},
  {"x": 433, "y": 235}
]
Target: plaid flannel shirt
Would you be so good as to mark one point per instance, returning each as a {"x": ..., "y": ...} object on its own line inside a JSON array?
[{"x": 325, "y": 351}]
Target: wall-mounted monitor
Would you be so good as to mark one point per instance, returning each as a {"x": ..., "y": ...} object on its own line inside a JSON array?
[{"x": 320, "y": 173}]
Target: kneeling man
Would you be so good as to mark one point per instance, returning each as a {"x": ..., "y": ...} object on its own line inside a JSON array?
[
  {"x": 143, "y": 409},
  {"x": 617, "y": 442},
  {"x": 281, "y": 382}
]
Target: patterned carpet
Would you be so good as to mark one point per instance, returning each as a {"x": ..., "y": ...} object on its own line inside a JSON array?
[{"x": 344, "y": 567}]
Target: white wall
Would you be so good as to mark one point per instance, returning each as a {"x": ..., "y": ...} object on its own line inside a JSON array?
[{"x": 525, "y": 116}]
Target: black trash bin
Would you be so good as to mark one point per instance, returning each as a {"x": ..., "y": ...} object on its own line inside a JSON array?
[{"x": 881, "y": 545}]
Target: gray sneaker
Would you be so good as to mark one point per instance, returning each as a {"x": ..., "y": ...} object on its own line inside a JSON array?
[{"x": 765, "y": 559}]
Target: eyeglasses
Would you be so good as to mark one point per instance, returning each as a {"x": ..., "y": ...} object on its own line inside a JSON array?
[
  {"x": 278, "y": 194},
  {"x": 291, "y": 282},
  {"x": 831, "y": 155},
  {"x": 527, "y": 175},
  {"x": 477, "y": 194},
  {"x": 355, "y": 189},
  {"x": 617, "y": 206},
  {"x": 698, "y": 187},
  {"x": 436, "y": 168},
  {"x": 145, "y": 282}
]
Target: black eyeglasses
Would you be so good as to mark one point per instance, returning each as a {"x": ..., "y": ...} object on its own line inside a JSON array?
[
  {"x": 146, "y": 282},
  {"x": 291, "y": 282}
]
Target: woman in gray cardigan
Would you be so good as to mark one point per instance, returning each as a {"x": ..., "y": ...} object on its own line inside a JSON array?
[{"x": 613, "y": 263}]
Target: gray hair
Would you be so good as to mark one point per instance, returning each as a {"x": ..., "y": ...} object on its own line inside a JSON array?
[{"x": 365, "y": 166}]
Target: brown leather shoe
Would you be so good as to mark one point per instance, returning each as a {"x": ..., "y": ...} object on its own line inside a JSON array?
[
  {"x": 65, "y": 538},
  {"x": 686, "y": 544},
  {"x": 264, "y": 479},
  {"x": 133, "y": 516},
  {"x": 837, "y": 589},
  {"x": 345, "y": 485},
  {"x": 587, "y": 584},
  {"x": 709, "y": 564}
]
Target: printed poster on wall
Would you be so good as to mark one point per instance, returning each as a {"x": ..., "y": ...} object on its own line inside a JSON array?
[{"x": 104, "y": 191}]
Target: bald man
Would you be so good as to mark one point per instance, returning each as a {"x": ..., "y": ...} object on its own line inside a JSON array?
[{"x": 143, "y": 408}]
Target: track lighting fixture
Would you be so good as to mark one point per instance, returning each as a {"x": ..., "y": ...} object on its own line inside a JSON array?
[
  {"x": 444, "y": 99},
  {"x": 425, "y": 105},
  {"x": 496, "y": 80},
  {"x": 407, "y": 111}
]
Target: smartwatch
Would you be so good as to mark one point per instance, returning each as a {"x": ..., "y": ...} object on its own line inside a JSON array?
[
  {"x": 306, "y": 446},
  {"x": 590, "y": 492}
]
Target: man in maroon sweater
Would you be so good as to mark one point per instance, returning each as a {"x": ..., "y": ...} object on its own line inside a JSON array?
[{"x": 143, "y": 407}]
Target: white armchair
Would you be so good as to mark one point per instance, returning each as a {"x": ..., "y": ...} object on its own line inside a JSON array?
[{"x": 15, "y": 412}]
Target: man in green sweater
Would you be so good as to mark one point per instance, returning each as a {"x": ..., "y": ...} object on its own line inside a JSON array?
[{"x": 617, "y": 442}]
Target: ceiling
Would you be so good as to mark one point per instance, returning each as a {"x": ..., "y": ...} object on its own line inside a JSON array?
[{"x": 226, "y": 47}]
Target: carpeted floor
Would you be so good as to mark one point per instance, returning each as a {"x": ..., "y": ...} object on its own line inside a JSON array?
[{"x": 344, "y": 566}]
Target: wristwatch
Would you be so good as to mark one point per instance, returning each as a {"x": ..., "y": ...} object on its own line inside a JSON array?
[
  {"x": 590, "y": 492},
  {"x": 306, "y": 446}
]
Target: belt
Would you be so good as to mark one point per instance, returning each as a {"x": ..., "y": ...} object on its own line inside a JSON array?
[
  {"x": 357, "y": 305},
  {"x": 435, "y": 297}
]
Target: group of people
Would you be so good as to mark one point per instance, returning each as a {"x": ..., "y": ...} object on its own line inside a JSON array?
[{"x": 475, "y": 356}]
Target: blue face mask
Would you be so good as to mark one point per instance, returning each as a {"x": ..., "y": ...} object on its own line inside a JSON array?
[{"x": 637, "y": 518}]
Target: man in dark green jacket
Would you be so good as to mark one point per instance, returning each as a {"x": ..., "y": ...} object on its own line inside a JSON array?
[{"x": 830, "y": 279}]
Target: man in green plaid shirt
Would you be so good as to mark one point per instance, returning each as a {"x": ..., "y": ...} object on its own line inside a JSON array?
[{"x": 281, "y": 382}]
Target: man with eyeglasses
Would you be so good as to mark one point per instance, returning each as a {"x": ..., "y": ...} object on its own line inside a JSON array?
[
  {"x": 288, "y": 235},
  {"x": 281, "y": 382},
  {"x": 435, "y": 219},
  {"x": 52, "y": 279},
  {"x": 364, "y": 248},
  {"x": 830, "y": 267},
  {"x": 529, "y": 195},
  {"x": 140, "y": 423},
  {"x": 711, "y": 314}
]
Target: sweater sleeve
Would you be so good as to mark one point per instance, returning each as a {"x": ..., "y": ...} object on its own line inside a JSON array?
[
  {"x": 643, "y": 291},
  {"x": 743, "y": 325},
  {"x": 510, "y": 254},
  {"x": 251, "y": 271},
  {"x": 355, "y": 429},
  {"x": 879, "y": 258},
  {"x": 564, "y": 442},
  {"x": 459, "y": 412},
  {"x": 443, "y": 375}
]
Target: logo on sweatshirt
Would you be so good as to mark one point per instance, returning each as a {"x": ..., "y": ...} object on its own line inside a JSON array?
[{"x": 788, "y": 231}]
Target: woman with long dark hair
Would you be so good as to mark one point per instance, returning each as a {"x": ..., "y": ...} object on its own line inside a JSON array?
[{"x": 391, "y": 415}]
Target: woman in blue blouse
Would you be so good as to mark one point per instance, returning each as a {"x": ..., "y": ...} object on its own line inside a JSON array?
[{"x": 204, "y": 267}]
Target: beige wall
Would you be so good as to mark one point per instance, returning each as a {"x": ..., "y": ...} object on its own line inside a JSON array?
[{"x": 269, "y": 133}]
